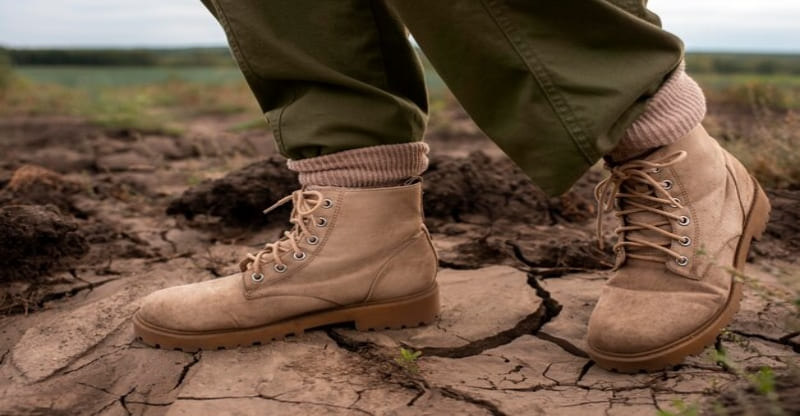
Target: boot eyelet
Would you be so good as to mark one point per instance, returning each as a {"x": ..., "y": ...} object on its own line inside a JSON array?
[
  {"x": 313, "y": 240},
  {"x": 682, "y": 261},
  {"x": 666, "y": 184},
  {"x": 280, "y": 268},
  {"x": 327, "y": 203},
  {"x": 685, "y": 241},
  {"x": 257, "y": 277},
  {"x": 300, "y": 256},
  {"x": 675, "y": 203},
  {"x": 321, "y": 222},
  {"x": 684, "y": 220},
  {"x": 656, "y": 170}
]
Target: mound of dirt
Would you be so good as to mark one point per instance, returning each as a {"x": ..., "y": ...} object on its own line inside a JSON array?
[
  {"x": 239, "y": 198},
  {"x": 476, "y": 189},
  {"x": 34, "y": 239},
  {"x": 479, "y": 189},
  {"x": 782, "y": 239},
  {"x": 34, "y": 185}
]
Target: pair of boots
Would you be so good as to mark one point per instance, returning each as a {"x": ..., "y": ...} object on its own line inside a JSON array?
[{"x": 688, "y": 213}]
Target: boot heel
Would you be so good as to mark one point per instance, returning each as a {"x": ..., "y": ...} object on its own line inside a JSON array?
[
  {"x": 410, "y": 312},
  {"x": 755, "y": 224}
]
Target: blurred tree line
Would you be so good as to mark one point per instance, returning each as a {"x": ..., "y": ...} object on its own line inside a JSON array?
[
  {"x": 740, "y": 63},
  {"x": 716, "y": 63},
  {"x": 120, "y": 57},
  {"x": 5, "y": 70}
]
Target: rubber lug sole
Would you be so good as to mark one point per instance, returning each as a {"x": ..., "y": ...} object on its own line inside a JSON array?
[{"x": 408, "y": 312}]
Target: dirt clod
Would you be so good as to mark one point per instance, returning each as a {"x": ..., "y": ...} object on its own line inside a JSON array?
[
  {"x": 35, "y": 185},
  {"x": 479, "y": 189},
  {"x": 240, "y": 197},
  {"x": 36, "y": 238},
  {"x": 782, "y": 238}
]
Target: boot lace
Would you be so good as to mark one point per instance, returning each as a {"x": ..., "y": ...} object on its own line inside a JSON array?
[
  {"x": 631, "y": 191},
  {"x": 304, "y": 202}
]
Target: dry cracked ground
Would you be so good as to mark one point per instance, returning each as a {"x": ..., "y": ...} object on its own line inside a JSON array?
[{"x": 92, "y": 220}]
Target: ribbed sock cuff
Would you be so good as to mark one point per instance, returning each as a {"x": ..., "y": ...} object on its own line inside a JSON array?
[
  {"x": 676, "y": 108},
  {"x": 373, "y": 166}
]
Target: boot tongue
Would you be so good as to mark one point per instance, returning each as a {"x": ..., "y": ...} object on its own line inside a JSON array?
[{"x": 645, "y": 217}]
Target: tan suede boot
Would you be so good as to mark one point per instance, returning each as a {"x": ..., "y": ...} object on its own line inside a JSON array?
[
  {"x": 354, "y": 255},
  {"x": 689, "y": 211}
]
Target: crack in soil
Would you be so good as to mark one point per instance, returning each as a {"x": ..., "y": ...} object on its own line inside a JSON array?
[
  {"x": 464, "y": 397},
  {"x": 271, "y": 398},
  {"x": 530, "y": 325},
  {"x": 585, "y": 369},
  {"x": 96, "y": 359},
  {"x": 395, "y": 374},
  {"x": 563, "y": 344},
  {"x": 182, "y": 376},
  {"x": 785, "y": 340}
]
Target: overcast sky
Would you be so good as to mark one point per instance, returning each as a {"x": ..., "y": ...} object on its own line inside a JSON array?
[{"x": 733, "y": 25}]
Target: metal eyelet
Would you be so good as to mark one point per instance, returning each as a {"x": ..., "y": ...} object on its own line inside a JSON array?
[
  {"x": 327, "y": 203},
  {"x": 682, "y": 261},
  {"x": 655, "y": 170},
  {"x": 313, "y": 240},
  {"x": 300, "y": 256},
  {"x": 321, "y": 222},
  {"x": 675, "y": 202},
  {"x": 280, "y": 268},
  {"x": 666, "y": 184},
  {"x": 685, "y": 241},
  {"x": 257, "y": 277},
  {"x": 684, "y": 220}
]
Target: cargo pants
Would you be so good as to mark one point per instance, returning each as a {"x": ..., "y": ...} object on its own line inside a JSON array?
[{"x": 554, "y": 83}]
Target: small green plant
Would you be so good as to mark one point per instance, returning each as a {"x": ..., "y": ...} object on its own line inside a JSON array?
[
  {"x": 718, "y": 409},
  {"x": 408, "y": 360},
  {"x": 681, "y": 409},
  {"x": 763, "y": 382}
]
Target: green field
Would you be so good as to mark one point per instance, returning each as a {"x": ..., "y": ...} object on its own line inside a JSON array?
[
  {"x": 718, "y": 81},
  {"x": 104, "y": 76}
]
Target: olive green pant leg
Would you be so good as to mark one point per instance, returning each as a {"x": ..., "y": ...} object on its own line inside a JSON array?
[
  {"x": 330, "y": 75},
  {"x": 554, "y": 83}
]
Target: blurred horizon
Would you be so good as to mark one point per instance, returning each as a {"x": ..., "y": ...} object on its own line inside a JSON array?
[{"x": 732, "y": 26}]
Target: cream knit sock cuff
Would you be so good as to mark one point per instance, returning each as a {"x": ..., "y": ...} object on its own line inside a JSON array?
[
  {"x": 373, "y": 166},
  {"x": 675, "y": 109}
]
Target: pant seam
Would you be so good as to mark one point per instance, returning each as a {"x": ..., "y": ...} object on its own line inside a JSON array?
[
  {"x": 234, "y": 41},
  {"x": 247, "y": 70},
  {"x": 277, "y": 131},
  {"x": 540, "y": 74},
  {"x": 416, "y": 136},
  {"x": 380, "y": 45}
]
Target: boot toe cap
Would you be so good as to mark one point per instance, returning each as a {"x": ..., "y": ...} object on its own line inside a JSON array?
[
  {"x": 194, "y": 307},
  {"x": 626, "y": 322},
  {"x": 163, "y": 308}
]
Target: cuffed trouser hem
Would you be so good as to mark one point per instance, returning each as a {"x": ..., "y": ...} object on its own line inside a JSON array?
[
  {"x": 677, "y": 108},
  {"x": 373, "y": 166}
]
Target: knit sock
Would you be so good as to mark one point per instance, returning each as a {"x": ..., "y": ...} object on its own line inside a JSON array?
[
  {"x": 675, "y": 109},
  {"x": 367, "y": 167}
]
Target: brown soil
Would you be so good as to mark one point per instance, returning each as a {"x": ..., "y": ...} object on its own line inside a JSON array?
[
  {"x": 35, "y": 239},
  {"x": 240, "y": 197},
  {"x": 782, "y": 239},
  {"x": 91, "y": 221}
]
